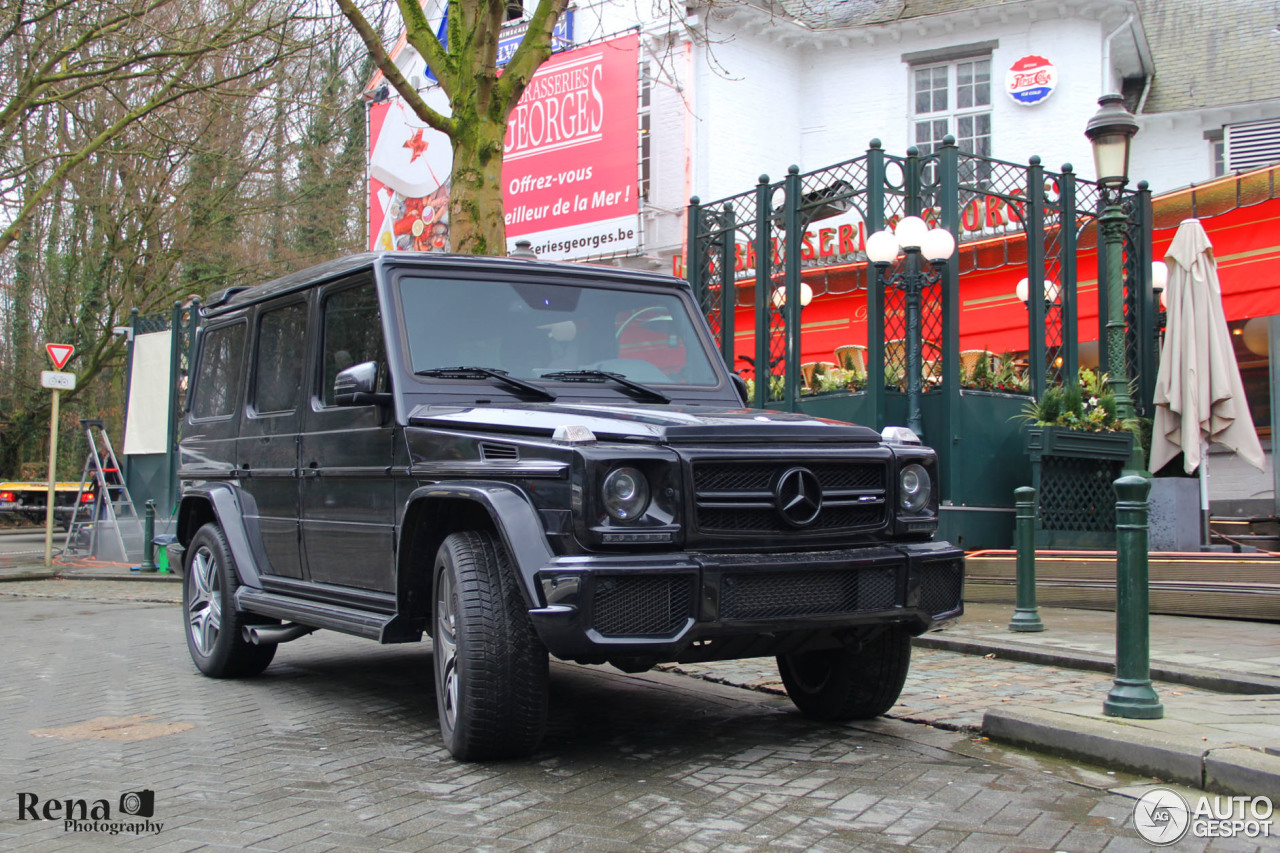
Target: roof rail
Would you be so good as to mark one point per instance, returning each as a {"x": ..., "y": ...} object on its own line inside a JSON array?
[{"x": 222, "y": 297}]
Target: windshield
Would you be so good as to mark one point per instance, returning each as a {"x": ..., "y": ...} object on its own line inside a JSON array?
[{"x": 530, "y": 330}]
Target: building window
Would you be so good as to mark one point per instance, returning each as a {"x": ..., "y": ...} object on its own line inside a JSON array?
[
  {"x": 953, "y": 98},
  {"x": 515, "y": 10},
  {"x": 1217, "y": 152},
  {"x": 645, "y": 141}
]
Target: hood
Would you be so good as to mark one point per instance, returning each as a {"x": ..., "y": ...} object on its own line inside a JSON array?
[{"x": 656, "y": 424}]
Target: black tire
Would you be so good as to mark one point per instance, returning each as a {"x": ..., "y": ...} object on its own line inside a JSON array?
[
  {"x": 490, "y": 667},
  {"x": 213, "y": 624},
  {"x": 842, "y": 684}
]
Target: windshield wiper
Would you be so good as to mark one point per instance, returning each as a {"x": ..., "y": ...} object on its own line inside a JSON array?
[
  {"x": 602, "y": 375},
  {"x": 486, "y": 373}
]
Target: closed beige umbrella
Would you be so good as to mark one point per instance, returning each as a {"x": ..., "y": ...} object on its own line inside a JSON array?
[{"x": 1199, "y": 396}]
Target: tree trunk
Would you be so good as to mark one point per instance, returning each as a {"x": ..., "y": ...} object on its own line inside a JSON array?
[{"x": 476, "y": 226}]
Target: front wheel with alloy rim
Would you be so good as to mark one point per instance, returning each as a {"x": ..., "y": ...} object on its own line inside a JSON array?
[
  {"x": 490, "y": 667},
  {"x": 212, "y": 620},
  {"x": 849, "y": 683}
]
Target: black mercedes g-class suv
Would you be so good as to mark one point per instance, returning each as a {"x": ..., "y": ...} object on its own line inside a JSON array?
[{"x": 517, "y": 458}]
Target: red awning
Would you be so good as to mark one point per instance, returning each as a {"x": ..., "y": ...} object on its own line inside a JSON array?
[{"x": 1246, "y": 244}]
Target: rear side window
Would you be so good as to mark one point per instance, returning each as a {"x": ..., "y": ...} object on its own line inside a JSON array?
[
  {"x": 218, "y": 375},
  {"x": 352, "y": 335},
  {"x": 282, "y": 335}
]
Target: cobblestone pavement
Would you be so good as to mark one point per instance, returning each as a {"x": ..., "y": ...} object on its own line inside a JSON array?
[
  {"x": 944, "y": 689},
  {"x": 336, "y": 747},
  {"x": 947, "y": 689},
  {"x": 139, "y": 591}
]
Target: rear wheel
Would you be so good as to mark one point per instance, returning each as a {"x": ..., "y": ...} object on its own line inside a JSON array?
[
  {"x": 844, "y": 684},
  {"x": 490, "y": 667},
  {"x": 213, "y": 622}
]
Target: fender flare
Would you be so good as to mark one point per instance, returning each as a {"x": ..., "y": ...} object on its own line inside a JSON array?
[
  {"x": 514, "y": 518},
  {"x": 227, "y": 503}
]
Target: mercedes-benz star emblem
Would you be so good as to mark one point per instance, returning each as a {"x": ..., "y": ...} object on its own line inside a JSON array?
[{"x": 798, "y": 497}]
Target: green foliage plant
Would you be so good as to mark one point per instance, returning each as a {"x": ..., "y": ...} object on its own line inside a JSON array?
[
  {"x": 1001, "y": 376},
  {"x": 1088, "y": 405},
  {"x": 838, "y": 379}
]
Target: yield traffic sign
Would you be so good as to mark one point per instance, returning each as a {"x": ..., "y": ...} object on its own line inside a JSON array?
[{"x": 59, "y": 353}]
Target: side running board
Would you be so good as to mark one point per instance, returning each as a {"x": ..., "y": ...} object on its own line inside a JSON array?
[{"x": 383, "y": 627}]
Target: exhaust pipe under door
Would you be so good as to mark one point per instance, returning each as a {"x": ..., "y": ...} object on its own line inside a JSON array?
[{"x": 268, "y": 635}]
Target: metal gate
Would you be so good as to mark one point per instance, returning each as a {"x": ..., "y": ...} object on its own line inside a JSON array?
[{"x": 748, "y": 257}]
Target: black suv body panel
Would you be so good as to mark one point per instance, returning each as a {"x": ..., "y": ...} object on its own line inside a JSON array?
[{"x": 760, "y": 532}]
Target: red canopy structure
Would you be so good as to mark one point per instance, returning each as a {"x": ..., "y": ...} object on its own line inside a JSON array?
[{"x": 1247, "y": 239}]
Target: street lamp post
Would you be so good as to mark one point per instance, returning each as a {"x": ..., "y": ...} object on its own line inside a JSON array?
[
  {"x": 1132, "y": 695},
  {"x": 1110, "y": 131},
  {"x": 913, "y": 237}
]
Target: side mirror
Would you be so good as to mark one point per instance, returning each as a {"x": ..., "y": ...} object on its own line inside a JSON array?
[
  {"x": 741, "y": 385},
  {"x": 356, "y": 386}
]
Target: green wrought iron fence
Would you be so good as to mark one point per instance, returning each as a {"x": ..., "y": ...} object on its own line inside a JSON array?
[
  {"x": 747, "y": 252},
  {"x": 1048, "y": 217}
]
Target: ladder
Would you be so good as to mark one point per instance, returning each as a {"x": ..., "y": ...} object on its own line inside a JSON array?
[{"x": 106, "y": 528}]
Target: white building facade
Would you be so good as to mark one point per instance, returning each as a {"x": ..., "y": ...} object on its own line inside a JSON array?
[{"x": 744, "y": 89}]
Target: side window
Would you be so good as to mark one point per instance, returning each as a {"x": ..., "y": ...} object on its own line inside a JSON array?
[
  {"x": 218, "y": 375},
  {"x": 352, "y": 335},
  {"x": 282, "y": 335}
]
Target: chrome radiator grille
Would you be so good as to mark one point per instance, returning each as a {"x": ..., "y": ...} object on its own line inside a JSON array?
[{"x": 759, "y": 496}]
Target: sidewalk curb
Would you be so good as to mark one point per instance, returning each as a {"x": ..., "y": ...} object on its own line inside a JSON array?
[
  {"x": 1228, "y": 770},
  {"x": 30, "y": 575},
  {"x": 1205, "y": 679},
  {"x": 61, "y": 573},
  {"x": 120, "y": 576}
]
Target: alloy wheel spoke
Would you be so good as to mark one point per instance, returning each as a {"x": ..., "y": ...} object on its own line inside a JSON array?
[
  {"x": 211, "y": 627},
  {"x": 199, "y": 629},
  {"x": 204, "y": 610},
  {"x": 200, "y": 577},
  {"x": 446, "y": 646}
]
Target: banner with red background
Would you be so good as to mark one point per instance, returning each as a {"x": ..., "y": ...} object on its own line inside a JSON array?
[
  {"x": 570, "y": 153},
  {"x": 569, "y": 161}
]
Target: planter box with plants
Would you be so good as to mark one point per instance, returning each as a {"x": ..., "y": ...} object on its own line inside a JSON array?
[{"x": 1077, "y": 448}]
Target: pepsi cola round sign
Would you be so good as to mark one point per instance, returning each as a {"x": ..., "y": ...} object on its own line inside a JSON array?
[{"x": 1031, "y": 80}]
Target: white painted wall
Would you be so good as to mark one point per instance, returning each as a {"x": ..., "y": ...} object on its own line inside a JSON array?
[
  {"x": 747, "y": 116},
  {"x": 759, "y": 103},
  {"x": 755, "y": 97},
  {"x": 1171, "y": 152},
  {"x": 852, "y": 94}
]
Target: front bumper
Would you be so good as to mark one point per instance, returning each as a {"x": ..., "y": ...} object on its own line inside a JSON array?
[{"x": 700, "y": 606}]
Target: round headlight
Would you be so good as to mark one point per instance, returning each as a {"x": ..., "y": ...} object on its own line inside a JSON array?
[
  {"x": 625, "y": 493},
  {"x": 914, "y": 488}
]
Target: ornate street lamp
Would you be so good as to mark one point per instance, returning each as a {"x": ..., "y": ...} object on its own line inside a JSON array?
[
  {"x": 1110, "y": 131},
  {"x": 1023, "y": 292},
  {"x": 1132, "y": 695},
  {"x": 1159, "y": 281},
  {"x": 780, "y": 296},
  {"x": 1037, "y": 367},
  {"x": 918, "y": 241}
]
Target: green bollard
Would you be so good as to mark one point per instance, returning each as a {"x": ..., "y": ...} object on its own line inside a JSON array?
[
  {"x": 1026, "y": 617},
  {"x": 148, "y": 534},
  {"x": 1132, "y": 695}
]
